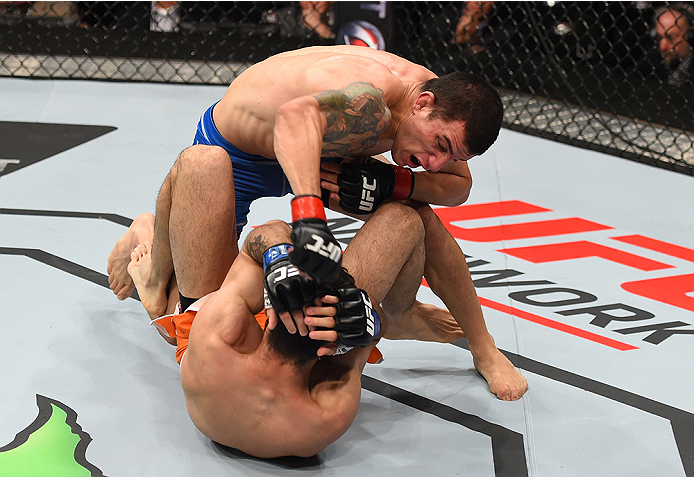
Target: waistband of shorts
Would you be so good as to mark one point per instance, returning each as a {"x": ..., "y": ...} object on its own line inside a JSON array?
[{"x": 209, "y": 130}]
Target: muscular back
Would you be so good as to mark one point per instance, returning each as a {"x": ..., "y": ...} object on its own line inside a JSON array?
[
  {"x": 240, "y": 394},
  {"x": 246, "y": 115}
]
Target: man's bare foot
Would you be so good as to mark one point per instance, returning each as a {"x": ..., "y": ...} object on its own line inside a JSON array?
[
  {"x": 152, "y": 297},
  {"x": 504, "y": 380},
  {"x": 119, "y": 280},
  {"x": 424, "y": 322}
]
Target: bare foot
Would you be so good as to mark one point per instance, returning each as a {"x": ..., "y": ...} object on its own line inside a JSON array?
[
  {"x": 119, "y": 280},
  {"x": 152, "y": 297},
  {"x": 424, "y": 322},
  {"x": 504, "y": 380}
]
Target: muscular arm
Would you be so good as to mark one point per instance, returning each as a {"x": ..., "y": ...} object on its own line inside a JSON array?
[
  {"x": 339, "y": 123},
  {"x": 450, "y": 186},
  {"x": 262, "y": 238},
  {"x": 245, "y": 277}
]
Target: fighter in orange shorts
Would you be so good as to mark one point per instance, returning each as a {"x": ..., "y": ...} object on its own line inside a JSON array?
[
  {"x": 269, "y": 392},
  {"x": 175, "y": 329}
]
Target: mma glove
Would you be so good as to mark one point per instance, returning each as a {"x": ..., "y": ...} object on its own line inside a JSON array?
[
  {"x": 316, "y": 251},
  {"x": 356, "y": 321},
  {"x": 286, "y": 290},
  {"x": 365, "y": 186}
]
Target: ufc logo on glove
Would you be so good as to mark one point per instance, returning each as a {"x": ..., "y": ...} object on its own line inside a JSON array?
[
  {"x": 367, "y": 200},
  {"x": 370, "y": 326},
  {"x": 332, "y": 251},
  {"x": 285, "y": 272}
]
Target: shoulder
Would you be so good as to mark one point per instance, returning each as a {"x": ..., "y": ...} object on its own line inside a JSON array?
[
  {"x": 339, "y": 71},
  {"x": 227, "y": 317}
]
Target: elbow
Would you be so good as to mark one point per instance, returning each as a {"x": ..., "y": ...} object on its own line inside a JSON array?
[
  {"x": 457, "y": 200},
  {"x": 459, "y": 195}
]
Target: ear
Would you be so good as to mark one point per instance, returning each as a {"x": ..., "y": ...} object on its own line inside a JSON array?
[
  {"x": 424, "y": 100},
  {"x": 327, "y": 349}
]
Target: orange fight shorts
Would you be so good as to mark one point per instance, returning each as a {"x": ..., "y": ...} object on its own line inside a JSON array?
[{"x": 177, "y": 326}]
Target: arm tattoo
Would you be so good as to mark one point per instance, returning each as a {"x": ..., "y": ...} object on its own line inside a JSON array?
[
  {"x": 357, "y": 115},
  {"x": 271, "y": 233},
  {"x": 256, "y": 246}
]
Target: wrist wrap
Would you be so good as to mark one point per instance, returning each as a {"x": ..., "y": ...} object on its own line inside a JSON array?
[
  {"x": 308, "y": 207},
  {"x": 404, "y": 183},
  {"x": 275, "y": 253}
]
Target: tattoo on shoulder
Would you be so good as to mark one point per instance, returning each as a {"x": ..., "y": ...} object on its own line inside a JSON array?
[{"x": 357, "y": 115}]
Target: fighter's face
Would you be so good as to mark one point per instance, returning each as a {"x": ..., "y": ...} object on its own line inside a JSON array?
[
  {"x": 671, "y": 32},
  {"x": 429, "y": 143}
]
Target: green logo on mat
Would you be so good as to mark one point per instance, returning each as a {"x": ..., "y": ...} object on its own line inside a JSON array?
[{"x": 53, "y": 445}]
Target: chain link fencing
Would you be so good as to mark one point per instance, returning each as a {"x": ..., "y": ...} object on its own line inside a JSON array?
[{"x": 610, "y": 76}]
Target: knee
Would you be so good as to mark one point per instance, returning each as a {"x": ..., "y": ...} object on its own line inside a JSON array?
[
  {"x": 201, "y": 159},
  {"x": 404, "y": 221}
]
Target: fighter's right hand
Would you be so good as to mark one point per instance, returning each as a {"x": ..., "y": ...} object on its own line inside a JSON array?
[
  {"x": 316, "y": 251},
  {"x": 286, "y": 290},
  {"x": 352, "y": 321},
  {"x": 366, "y": 185}
]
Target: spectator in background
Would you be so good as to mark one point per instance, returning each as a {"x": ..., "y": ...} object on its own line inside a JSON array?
[
  {"x": 153, "y": 16},
  {"x": 673, "y": 32},
  {"x": 67, "y": 11},
  {"x": 472, "y": 20},
  {"x": 164, "y": 16},
  {"x": 316, "y": 16},
  {"x": 14, "y": 8},
  {"x": 302, "y": 19}
]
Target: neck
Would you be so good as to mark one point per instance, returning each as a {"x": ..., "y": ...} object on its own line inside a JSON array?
[
  {"x": 273, "y": 359},
  {"x": 402, "y": 109}
]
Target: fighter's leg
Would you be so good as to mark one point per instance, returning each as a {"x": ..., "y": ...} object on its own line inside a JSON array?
[
  {"x": 119, "y": 280},
  {"x": 194, "y": 229},
  {"x": 387, "y": 259},
  {"x": 377, "y": 256},
  {"x": 138, "y": 268},
  {"x": 154, "y": 274},
  {"x": 448, "y": 277},
  {"x": 424, "y": 322},
  {"x": 202, "y": 221}
]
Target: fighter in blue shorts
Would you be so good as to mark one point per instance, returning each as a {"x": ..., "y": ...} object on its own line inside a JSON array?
[
  {"x": 254, "y": 176},
  {"x": 289, "y": 112}
]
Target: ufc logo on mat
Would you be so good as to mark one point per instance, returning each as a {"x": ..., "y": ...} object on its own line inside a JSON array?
[{"x": 367, "y": 200}]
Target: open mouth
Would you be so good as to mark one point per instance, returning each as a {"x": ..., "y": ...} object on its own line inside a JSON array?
[{"x": 415, "y": 160}]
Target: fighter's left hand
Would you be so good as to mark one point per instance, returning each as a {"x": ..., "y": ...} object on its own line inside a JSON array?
[
  {"x": 322, "y": 317},
  {"x": 292, "y": 320},
  {"x": 328, "y": 181}
]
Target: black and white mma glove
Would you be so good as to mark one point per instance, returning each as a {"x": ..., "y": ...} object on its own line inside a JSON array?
[
  {"x": 316, "y": 251},
  {"x": 365, "y": 186},
  {"x": 286, "y": 289},
  {"x": 356, "y": 321}
]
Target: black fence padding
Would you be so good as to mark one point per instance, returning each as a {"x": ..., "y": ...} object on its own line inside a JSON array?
[{"x": 589, "y": 74}]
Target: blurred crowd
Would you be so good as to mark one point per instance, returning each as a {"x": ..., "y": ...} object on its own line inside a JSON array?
[{"x": 655, "y": 39}]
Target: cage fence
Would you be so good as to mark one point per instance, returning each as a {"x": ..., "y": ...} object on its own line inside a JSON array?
[{"x": 610, "y": 76}]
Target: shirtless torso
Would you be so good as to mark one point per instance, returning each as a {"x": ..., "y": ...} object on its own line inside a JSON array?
[
  {"x": 297, "y": 107},
  {"x": 246, "y": 115},
  {"x": 241, "y": 394},
  {"x": 345, "y": 101}
]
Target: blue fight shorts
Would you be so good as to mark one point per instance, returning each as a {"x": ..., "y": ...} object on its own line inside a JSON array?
[{"x": 254, "y": 176}]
